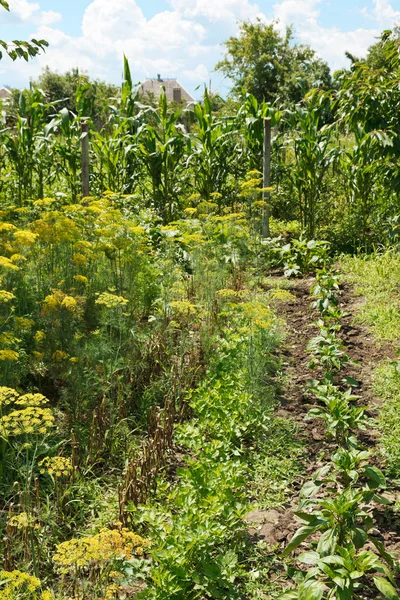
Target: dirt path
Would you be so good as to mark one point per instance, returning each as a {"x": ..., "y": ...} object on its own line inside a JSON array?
[{"x": 277, "y": 526}]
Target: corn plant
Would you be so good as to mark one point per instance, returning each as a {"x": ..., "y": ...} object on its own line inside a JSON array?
[{"x": 314, "y": 154}]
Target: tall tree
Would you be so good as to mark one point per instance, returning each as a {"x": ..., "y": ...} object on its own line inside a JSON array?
[
  {"x": 271, "y": 66},
  {"x": 66, "y": 88}
]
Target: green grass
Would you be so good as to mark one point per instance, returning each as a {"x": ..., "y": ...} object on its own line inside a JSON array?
[
  {"x": 387, "y": 388},
  {"x": 277, "y": 465},
  {"x": 377, "y": 278}
]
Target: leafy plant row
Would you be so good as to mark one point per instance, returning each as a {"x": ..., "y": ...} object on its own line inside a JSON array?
[{"x": 345, "y": 557}]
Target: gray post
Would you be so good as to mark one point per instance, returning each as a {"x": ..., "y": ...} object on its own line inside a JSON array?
[
  {"x": 266, "y": 177},
  {"x": 85, "y": 159}
]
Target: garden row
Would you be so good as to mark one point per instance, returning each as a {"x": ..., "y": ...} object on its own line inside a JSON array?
[{"x": 343, "y": 555}]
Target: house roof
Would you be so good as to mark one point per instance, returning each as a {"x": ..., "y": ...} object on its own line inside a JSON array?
[
  {"x": 5, "y": 93},
  {"x": 154, "y": 86}
]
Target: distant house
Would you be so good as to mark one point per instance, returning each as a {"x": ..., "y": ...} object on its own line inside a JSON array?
[
  {"x": 5, "y": 93},
  {"x": 173, "y": 89}
]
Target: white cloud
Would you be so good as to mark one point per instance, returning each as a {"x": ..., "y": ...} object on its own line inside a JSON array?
[
  {"x": 49, "y": 17},
  {"x": 217, "y": 10},
  {"x": 382, "y": 13},
  {"x": 199, "y": 75},
  {"x": 331, "y": 42},
  {"x": 22, "y": 9},
  {"x": 184, "y": 41}
]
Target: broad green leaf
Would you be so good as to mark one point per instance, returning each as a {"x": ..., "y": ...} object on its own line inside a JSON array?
[
  {"x": 386, "y": 588},
  {"x": 298, "y": 538},
  {"x": 311, "y": 590}
]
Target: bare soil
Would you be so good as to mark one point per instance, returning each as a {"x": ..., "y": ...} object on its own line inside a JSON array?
[{"x": 276, "y": 526}]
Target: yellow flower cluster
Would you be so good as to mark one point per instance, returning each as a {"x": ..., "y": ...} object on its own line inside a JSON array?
[
  {"x": 6, "y": 263},
  {"x": 6, "y": 296},
  {"x": 69, "y": 303},
  {"x": 184, "y": 307},
  {"x": 9, "y": 355},
  {"x": 7, "y": 395},
  {"x": 59, "y": 355},
  {"x": 100, "y": 549},
  {"x": 39, "y": 336},
  {"x": 81, "y": 278},
  {"x": 59, "y": 466},
  {"x": 31, "y": 400},
  {"x": 6, "y": 227},
  {"x": 23, "y": 323},
  {"x": 34, "y": 419},
  {"x": 57, "y": 300},
  {"x": 31, "y": 421},
  {"x": 281, "y": 295},
  {"x": 23, "y": 521},
  {"x": 25, "y": 238},
  {"x": 111, "y": 301},
  {"x": 14, "y": 583}
]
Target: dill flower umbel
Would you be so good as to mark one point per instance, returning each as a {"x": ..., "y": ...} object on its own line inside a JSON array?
[
  {"x": 25, "y": 238},
  {"x": 15, "y": 584},
  {"x": 34, "y": 419},
  {"x": 58, "y": 466},
  {"x": 9, "y": 355},
  {"x": 31, "y": 420},
  {"x": 100, "y": 549},
  {"x": 7, "y": 395},
  {"x": 23, "y": 521},
  {"x": 111, "y": 301},
  {"x": 6, "y": 263},
  {"x": 6, "y": 296}
]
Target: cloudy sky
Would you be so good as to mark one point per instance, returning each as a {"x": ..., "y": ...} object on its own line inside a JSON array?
[{"x": 177, "y": 38}]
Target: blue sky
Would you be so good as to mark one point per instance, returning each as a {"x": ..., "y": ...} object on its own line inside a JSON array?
[{"x": 178, "y": 38}]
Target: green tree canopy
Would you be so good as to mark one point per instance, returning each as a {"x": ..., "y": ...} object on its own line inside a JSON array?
[
  {"x": 64, "y": 89},
  {"x": 271, "y": 66}
]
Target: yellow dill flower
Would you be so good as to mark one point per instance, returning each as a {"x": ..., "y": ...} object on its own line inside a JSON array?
[
  {"x": 38, "y": 355},
  {"x": 23, "y": 323},
  {"x": 7, "y": 395},
  {"x": 6, "y": 263},
  {"x": 190, "y": 211},
  {"x": 9, "y": 355},
  {"x": 183, "y": 307},
  {"x": 31, "y": 400},
  {"x": 69, "y": 303},
  {"x": 44, "y": 202},
  {"x": 257, "y": 311},
  {"x": 79, "y": 259},
  {"x": 15, "y": 584},
  {"x": 25, "y": 238},
  {"x": 17, "y": 258},
  {"x": 101, "y": 548},
  {"x": 5, "y": 227},
  {"x": 39, "y": 336},
  {"x": 23, "y": 521},
  {"x": 135, "y": 229},
  {"x": 111, "y": 301},
  {"x": 81, "y": 278},
  {"x": 281, "y": 295},
  {"x": 56, "y": 465},
  {"x": 46, "y": 595},
  {"x": 226, "y": 293},
  {"x": 59, "y": 355},
  {"x": 9, "y": 338},
  {"x": 29, "y": 420},
  {"x": 74, "y": 359},
  {"x": 53, "y": 301}
]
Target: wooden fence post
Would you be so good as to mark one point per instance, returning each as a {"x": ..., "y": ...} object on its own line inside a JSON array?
[
  {"x": 266, "y": 177},
  {"x": 85, "y": 159}
]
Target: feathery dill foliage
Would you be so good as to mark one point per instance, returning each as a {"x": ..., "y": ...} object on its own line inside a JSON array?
[{"x": 108, "y": 318}]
